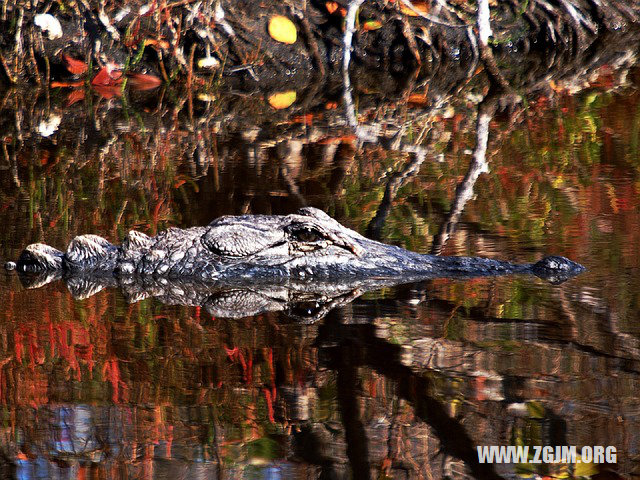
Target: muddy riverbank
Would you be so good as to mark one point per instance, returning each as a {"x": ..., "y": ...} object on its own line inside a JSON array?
[{"x": 201, "y": 44}]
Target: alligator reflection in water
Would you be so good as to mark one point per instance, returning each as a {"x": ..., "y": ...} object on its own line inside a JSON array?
[
  {"x": 397, "y": 412},
  {"x": 245, "y": 265}
]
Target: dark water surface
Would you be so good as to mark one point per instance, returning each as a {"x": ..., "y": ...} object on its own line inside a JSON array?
[{"x": 399, "y": 383}]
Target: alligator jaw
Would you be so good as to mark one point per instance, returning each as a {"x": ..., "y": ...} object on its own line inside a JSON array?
[{"x": 556, "y": 269}]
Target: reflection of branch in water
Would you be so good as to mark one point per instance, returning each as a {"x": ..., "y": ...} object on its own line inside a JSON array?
[
  {"x": 464, "y": 191},
  {"x": 623, "y": 342},
  {"x": 358, "y": 345},
  {"x": 350, "y": 411},
  {"x": 397, "y": 180},
  {"x": 290, "y": 156}
]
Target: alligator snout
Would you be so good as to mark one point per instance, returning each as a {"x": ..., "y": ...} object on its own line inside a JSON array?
[{"x": 556, "y": 269}]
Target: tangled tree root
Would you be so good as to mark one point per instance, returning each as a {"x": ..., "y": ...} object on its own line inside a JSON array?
[{"x": 196, "y": 41}]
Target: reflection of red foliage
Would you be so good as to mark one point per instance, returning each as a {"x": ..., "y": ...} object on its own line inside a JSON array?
[
  {"x": 107, "y": 82},
  {"x": 108, "y": 91},
  {"x": 75, "y": 96},
  {"x": 268, "y": 398},
  {"x": 111, "y": 371},
  {"x": 143, "y": 81}
]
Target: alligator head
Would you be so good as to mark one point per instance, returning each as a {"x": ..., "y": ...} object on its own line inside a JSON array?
[{"x": 305, "y": 246}]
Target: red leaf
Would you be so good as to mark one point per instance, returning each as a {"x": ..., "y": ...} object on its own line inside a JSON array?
[
  {"x": 143, "y": 81},
  {"x": 108, "y": 75},
  {"x": 108, "y": 91},
  {"x": 74, "y": 66},
  {"x": 66, "y": 84},
  {"x": 75, "y": 96}
]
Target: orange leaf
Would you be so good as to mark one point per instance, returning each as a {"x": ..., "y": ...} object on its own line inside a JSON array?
[
  {"x": 75, "y": 96},
  {"x": 74, "y": 66},
  {"x": 44, "y": 157},
  {"x": 337, "y": 140},
  {"x": 108, "y": 75},
  {"x": 143, "y": 81},
  {"x": 331, "y": 7},
  {"x": 306, "y": 119},
  {"x": 108, "y": 91},
  {"x": 418, "y": 99},
  {"x": 420, "y": 7},
  {"x": 160, "y": 43},
  {"x": 66, "y": 84}
]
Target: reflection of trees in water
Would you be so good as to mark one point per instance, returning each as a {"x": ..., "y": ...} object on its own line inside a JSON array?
[{"x": 411, "y": 392}]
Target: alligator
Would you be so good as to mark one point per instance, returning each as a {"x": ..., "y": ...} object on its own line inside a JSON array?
[{"x": 247, "y": 250}]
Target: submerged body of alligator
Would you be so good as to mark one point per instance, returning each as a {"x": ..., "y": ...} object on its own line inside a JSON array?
[{"x": 301, "y": 248}]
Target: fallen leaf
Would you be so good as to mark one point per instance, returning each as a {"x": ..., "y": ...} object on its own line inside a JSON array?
[
  {"x": 78, "y": 83},
  {"x": 282, "y": 29},
  {"x": 306, "y": 119},
  {"x": 143, "y": 81},
  {"x": 108, "y": 75},
  {"x": 148, "y": 9},
  {"x": 48, "y": 126},
  {"x": 44, "y": 157},
  {"x": 370, "y": 25},
  {"x": 419, "y": 7},
  {"x": 418, "y": 99},
  {"x": 206, "y": 97},
  {"x": 336, "y": 140},
  {"x": 282, "y": 100},
  {"x": 77, "y": 67},
  {"x": 331, "y": 7},
  {"x": 160, "y": 43},
  {"x": 75, "y": 96}
]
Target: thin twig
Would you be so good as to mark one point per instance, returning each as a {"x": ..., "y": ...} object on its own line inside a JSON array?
[{"x": 431, "y": 18}]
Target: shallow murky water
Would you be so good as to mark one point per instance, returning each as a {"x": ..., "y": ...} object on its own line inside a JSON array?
[{"x": 403, "y": 382}]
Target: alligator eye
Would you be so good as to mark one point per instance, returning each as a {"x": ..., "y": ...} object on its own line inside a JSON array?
[{"x": 306, "y": 234}]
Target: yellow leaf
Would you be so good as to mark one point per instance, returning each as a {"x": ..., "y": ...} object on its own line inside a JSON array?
[
  {"x": 371, "y": 25},
  {"x": 282, "y": 100},
  {"x": 418, "y": 8},
  {"x": 282, "y": 29}
]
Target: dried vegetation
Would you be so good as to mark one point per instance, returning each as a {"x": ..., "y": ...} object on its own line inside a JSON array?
[{"x": 194, "y": 41}]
